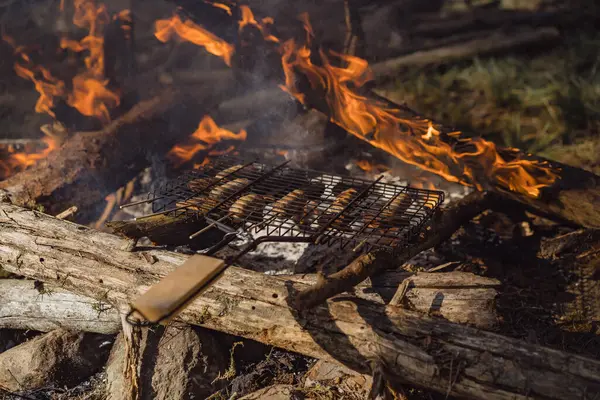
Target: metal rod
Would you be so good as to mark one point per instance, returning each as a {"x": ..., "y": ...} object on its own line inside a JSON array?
[
  {"x": 195, "y": 195},
  {"x": 135, "y": 203},
  {"x": 208, "y": 227}
]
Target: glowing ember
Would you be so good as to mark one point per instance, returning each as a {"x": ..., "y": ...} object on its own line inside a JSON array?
[
  {"x": 206, "y": 137},
  {"x": 165, "y": 29}
]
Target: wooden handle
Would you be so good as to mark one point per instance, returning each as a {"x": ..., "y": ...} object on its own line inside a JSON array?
[{"x": 167, "y": 298}]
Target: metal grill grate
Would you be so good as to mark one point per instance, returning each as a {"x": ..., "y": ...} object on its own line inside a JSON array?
[{"x": 279, "y": 203}]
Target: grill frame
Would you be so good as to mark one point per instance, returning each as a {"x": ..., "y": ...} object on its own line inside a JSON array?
[{"x": 360, "y": 224}]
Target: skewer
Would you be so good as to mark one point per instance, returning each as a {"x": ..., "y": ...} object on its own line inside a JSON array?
[
  {"x": 135, "y": 203},
  {"x": 206, "y": 228}
]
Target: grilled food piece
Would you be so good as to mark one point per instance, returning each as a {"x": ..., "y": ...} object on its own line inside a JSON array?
[
  {"x": 228, "y": 171},
  {"x": 199, "y": 184},
  {"x": 221, "y": 192},
  {"x": 341, "y": 201},
  {"x": 199, "y": 204},
  {"x": 397, "y": 207},
  {"x": 292, "y": 204},
  {"x": 246, "y": 205}
]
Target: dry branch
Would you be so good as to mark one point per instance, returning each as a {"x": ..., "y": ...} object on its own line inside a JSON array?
[
  {"x": 421, "y": 350},
  {"x": 495, "y": 43}
]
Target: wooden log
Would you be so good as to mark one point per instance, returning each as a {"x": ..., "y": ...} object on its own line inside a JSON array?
[
  {"x": 27, "y": 305},
  {"x": 424, "y": 351},
  {"x": 91, "y": 165},
  {"x": 495, "y": 43}
]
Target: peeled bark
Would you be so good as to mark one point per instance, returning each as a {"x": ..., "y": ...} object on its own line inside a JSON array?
[{"x": 421, "y": 350}]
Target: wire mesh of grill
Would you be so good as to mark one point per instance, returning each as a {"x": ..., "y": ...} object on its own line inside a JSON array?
[{"x": 287, "y": 204}]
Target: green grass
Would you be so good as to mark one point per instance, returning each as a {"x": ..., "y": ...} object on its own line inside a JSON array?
[{"x": 548, "y": 104}]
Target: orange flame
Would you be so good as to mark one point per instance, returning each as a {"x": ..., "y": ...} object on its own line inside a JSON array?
[
  {"x": 414, "y": 141},
  {"x": 368, "y": 166},
  {"x": 248, "y": 19},
  {"x": 90, "y": 94},
  {"x": 165, "y": 29},
  {"x": 22, "y": 160},
  {"x": 205, "y": 137}
]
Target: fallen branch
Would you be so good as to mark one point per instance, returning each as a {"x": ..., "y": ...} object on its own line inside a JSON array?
[
  {"x": 495, "y": 43},
  {"x": 424, "y": 351}
]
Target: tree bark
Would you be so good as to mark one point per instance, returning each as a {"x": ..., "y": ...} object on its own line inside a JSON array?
[
  {"x": 412, "y": 348},
  {"x": 91, "y": 165},
  {"x": 44, "y": 308}
]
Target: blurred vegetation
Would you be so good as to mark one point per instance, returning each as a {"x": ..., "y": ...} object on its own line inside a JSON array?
[{"x": 548, "y": 104}]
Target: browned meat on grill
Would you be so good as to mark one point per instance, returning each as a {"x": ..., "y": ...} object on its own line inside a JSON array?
[
  {"x": 230, "y": 170},
  {"x": 199, "y": 184},
  {"x": 221, "y": 192},
  {"x": 199, "y": 203},
  {"x": 292, "y": 204},
  {"x": 341, "y": 201},
  {"x": 397, "y": 207},
  {"x": 243, "y": 207}
]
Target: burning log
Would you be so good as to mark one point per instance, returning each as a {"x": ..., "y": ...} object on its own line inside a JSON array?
[
  {"x": 92, "y": 164},
  {"x": 423, "y": 351}
]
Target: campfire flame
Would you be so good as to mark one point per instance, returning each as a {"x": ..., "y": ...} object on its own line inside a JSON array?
[
  {"x": 206, "y": 137},
  {"x": 187, "y": 30},
  {"x": 415, "y": 141},
  {"x": 22, "y": 160},
  {"x": 91, "y": 95}
]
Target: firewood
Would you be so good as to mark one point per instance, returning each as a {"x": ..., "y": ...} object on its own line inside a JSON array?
[
  {"x": 421, "y": 350},
  {"x": 27, "y": 305},
  {"x": 91, "y": 165},
  {"x": 494, "y": 43},
  {"x": 58, "y": 358}
]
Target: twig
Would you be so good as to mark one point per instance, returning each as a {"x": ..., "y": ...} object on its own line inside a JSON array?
[
  {"x": 67, "y": 213},
  {"x": 369, "y": 264}
]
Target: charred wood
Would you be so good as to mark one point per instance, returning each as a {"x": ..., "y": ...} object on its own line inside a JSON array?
[
  {"x": 424, "y": 351},
  {"x": 93, "y": 164}
]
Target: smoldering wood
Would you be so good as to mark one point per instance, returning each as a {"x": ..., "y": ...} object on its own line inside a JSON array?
[
  {"x": 424, "y": 351},
  {"x": 45, "y": 308},
  {"x": 92, "y": 164}
]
